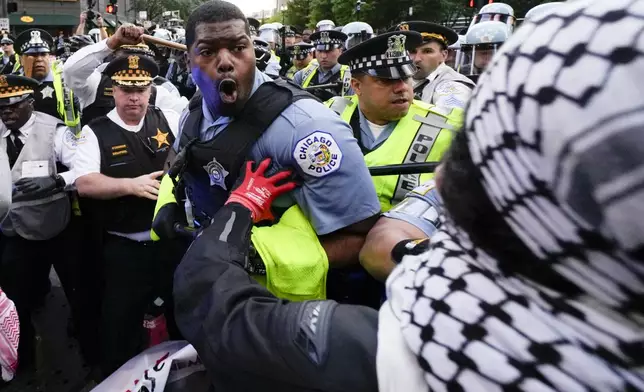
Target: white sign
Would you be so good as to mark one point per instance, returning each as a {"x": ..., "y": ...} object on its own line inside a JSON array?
[
  {"x": 143, "y": 15},
  {"x": 4, "y": 24}
]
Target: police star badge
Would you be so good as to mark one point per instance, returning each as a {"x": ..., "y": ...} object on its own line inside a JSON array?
[
  {"x": 396, "y": 47},
  {"x": 324, "y": 37},
  {"x": 296, "y": 50},
  {"x": 216, "y": 173},
  {"x": 133, "y": 62}
]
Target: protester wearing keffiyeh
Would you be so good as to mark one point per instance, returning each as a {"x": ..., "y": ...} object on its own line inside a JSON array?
[
  {"x": 9, "y": 337},
  {"x": 538, "y": 284}
]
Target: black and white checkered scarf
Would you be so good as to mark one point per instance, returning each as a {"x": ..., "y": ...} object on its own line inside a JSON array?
[{"x": 556, "y": 130}]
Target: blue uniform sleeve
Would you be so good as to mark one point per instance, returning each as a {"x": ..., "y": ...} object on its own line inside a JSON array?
[
  {"x": 421, "y": 207},
  {"x": 182, "y": 121},
  {"x": 297, "y": 78},
  {"x": 337, "y": 190}
]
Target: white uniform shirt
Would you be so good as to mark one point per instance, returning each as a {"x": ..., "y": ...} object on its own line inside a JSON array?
[
  {"x": 65, "y": 144},
  {"x": 88, "y": 152},
  {"x": 448, "y": 93},
  {"x": 82, "y": 73}
]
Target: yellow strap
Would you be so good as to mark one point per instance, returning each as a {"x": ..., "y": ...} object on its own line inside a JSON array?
[{"x": 166, "y": 196}]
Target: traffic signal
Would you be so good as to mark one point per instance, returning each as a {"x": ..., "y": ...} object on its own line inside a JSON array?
[
  {"x": 112, "y": 7},
  {"x": 12, "y": 7},
  {"x": 358, "y": 5},
  {"x": 479, "y": 3}
]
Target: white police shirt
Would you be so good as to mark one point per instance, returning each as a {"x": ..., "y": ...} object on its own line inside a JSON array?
[
  {"x": 88, "y": 151},
  {"x": 82, "y": 73},
  {"x": 337, "y": 191},
  {"x": 65, "y": 144},
  {"x": 448, "y": 93}
]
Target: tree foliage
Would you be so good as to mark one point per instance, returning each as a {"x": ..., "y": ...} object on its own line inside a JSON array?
[
  {"x": 382, "y": 14},
  {"x": 155, "y": 8}
]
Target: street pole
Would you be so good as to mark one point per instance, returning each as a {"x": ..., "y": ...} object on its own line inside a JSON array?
[{"x": 4, "y": 13}]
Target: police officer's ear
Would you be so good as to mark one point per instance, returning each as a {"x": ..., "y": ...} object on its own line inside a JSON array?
[{"x": 356, "y": 83}]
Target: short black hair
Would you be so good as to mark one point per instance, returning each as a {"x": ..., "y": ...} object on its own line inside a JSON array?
[
  {"x": 468, "y": 205},
  {"x": 213, "y": 12}
]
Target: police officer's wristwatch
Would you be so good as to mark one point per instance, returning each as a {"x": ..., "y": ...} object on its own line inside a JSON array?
[{"x": 254, "y": 264}]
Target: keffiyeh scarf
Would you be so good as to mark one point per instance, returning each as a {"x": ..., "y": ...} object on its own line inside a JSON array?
[
  {"x": 9, "y": 337},
  {"x": 556, "y": 131}
]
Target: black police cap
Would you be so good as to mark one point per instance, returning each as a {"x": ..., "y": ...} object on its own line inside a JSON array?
[
  {"x": 14, "y": 89},
  {"x": 34, "y": 41},
  {"x": 132, "y": 71},
  {"x": 7, "y": 39},
  {"x": 328, "y": 39},
  {"x": 254, "y": 23},
  {"x": 429, "y": 31},
  {"x": 300, "y": 50},
  {"x": 384, "y": 56}
]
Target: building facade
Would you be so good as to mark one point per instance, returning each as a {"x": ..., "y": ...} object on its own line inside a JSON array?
[{"x": 61, "y": 16}]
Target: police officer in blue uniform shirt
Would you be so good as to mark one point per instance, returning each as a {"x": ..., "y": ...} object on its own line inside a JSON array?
[
  {"x": 328, "y": 48},
  {"x": 337, "y": 196},
  {"x": 9, "y": 56}
]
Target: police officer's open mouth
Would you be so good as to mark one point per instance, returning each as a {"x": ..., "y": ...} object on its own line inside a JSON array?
[{"x": 228, "y": 91}]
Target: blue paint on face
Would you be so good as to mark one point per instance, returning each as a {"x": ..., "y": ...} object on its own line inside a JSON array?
[{"x": 209, "y": 89}]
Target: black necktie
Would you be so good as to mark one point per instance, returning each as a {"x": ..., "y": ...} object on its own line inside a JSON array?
[{"x": 14, "y": 146}]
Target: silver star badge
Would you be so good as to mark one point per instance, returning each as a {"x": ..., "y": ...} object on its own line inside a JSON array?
[
  {"x": 180, "y": 78},
  {"x": 47, "y": 92}
]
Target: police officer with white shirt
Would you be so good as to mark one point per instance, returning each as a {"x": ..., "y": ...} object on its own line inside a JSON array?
[
  {"x": 119, "y": 161},
  {"x": 435, "y": 82},
  {"x": 39, "y": 149},
  {"x": 83, "y": 72}
]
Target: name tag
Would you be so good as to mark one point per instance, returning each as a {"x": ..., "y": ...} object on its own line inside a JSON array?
[{"x": 35, "y": 169}]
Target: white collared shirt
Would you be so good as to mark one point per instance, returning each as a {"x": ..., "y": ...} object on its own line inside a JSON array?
[
  {"x": 64, "y": 146},
  {"x": 448, "y": 93},
  {"x": 88, "y": 153}
]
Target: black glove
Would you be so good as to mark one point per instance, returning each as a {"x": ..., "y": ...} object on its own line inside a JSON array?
[
  {"x": 409, "y": 248},
  {"x": 33, "y": 188}
]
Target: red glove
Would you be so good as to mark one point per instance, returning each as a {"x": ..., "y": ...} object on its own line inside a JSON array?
[{"x": 257, "y": 192}]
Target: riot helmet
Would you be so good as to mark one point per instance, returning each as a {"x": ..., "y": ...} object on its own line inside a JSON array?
[
  {"x": 357, "y": 32},
  {"x": 481, "y": 44}
]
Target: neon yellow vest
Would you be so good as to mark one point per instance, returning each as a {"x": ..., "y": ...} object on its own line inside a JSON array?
[
  {"x": 290, "y": 74},
  {"x": 311, "y": 71},
  {"x": 423, "y": 135},
  {"x": 16, "y": 65},
  {"x": 70, "y": 116}
]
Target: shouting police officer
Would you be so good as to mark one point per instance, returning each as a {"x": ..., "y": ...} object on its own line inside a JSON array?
[{"x": 242, "y": 113}]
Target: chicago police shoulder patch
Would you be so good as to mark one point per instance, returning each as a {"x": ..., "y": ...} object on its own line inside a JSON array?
[{"x": 318, "y": 154}]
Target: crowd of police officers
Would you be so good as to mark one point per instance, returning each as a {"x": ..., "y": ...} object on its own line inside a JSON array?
[{"x": 121, "y": 152}]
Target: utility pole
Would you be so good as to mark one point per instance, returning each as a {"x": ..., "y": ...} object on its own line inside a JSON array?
[{"x": 3, "y": 9}]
